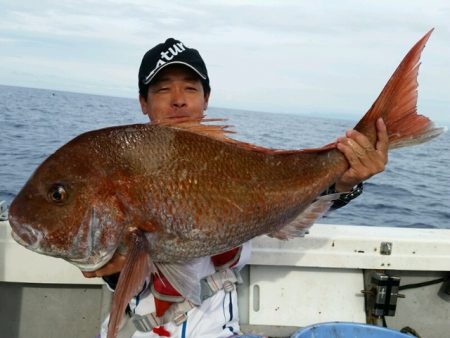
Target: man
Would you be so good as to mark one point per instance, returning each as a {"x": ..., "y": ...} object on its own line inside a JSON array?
[{"x": 174, "y": 82}]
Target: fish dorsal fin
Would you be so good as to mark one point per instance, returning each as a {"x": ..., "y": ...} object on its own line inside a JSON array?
[
  {"x": 196, "y": 125},
  {"x": 184, "y": 277},
  {"x": 300, "y": 225},
  {"x": 219, "y": 132}
]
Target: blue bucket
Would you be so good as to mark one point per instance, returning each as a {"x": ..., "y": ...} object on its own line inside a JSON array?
[{"x": 347, "y": 330}]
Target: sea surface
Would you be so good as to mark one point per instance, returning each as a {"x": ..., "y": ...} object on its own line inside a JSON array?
[{"x": 413, "y": 191}]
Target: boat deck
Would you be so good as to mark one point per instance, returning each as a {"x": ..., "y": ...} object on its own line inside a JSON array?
[{"x": 289, "y": 284}]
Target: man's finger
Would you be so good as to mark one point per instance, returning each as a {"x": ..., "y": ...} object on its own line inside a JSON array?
[
  {"x": 353, "y": 157},
  {"x": 382, "y": 137}
]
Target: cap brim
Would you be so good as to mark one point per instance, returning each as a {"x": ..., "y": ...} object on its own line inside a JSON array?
[{"x": 149, "y": 78}]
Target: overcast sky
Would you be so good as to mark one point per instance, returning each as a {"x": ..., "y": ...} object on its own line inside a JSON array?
[{"x": 321, "y": 57}]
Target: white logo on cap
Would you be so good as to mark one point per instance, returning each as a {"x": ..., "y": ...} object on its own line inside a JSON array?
[{"x": 167, "y": 56}]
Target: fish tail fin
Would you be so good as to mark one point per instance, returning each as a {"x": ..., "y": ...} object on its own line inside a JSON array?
[
  {"x": 136, "y": 269},
  {"x": 397, "y": 105}
]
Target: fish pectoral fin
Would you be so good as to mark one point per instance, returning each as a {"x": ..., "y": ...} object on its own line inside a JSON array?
[
  {"x": 184, "y": 277},
  {"x": 132, "y": 277},
  {"x": 300, "y": 225},
  {"x": 149, "y": 227}
]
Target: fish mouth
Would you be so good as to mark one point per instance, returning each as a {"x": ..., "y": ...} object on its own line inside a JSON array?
[
  {"x": 86, "y": 251},
  {"x": 27, "y": 237},
  {"x": 18, "y": 239},
  {"x": 33, "y": 240}
]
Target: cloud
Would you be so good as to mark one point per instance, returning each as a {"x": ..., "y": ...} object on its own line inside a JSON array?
[{"x": 289, "y": 56}]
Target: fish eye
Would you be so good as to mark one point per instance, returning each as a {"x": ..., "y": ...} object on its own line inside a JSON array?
[{"x": 57, "y": 193}]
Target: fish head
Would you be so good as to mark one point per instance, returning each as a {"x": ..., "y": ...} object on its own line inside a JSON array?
[{"x": 69, "y": 209}]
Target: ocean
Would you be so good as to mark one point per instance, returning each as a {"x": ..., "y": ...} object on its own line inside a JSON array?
[{"x": 413, "y": 191}]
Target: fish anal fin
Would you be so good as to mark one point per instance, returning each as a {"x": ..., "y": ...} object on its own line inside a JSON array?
[
  {"x": 137, "y": 267},
  {"x": 300, "y": 225}
]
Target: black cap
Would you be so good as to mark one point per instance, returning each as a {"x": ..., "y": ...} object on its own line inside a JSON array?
[{"x": 168, "y": 53}]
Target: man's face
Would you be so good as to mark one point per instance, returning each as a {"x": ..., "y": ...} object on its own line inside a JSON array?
[{"x": 175, "y": 91}]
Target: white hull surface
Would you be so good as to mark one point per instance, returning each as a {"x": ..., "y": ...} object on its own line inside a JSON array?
[{"x": 288, "y": 285}]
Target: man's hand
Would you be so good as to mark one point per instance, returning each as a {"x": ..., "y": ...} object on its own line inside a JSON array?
[
  {"x": 365, "y": 160},
  {"x": 114, "y": 265}
]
